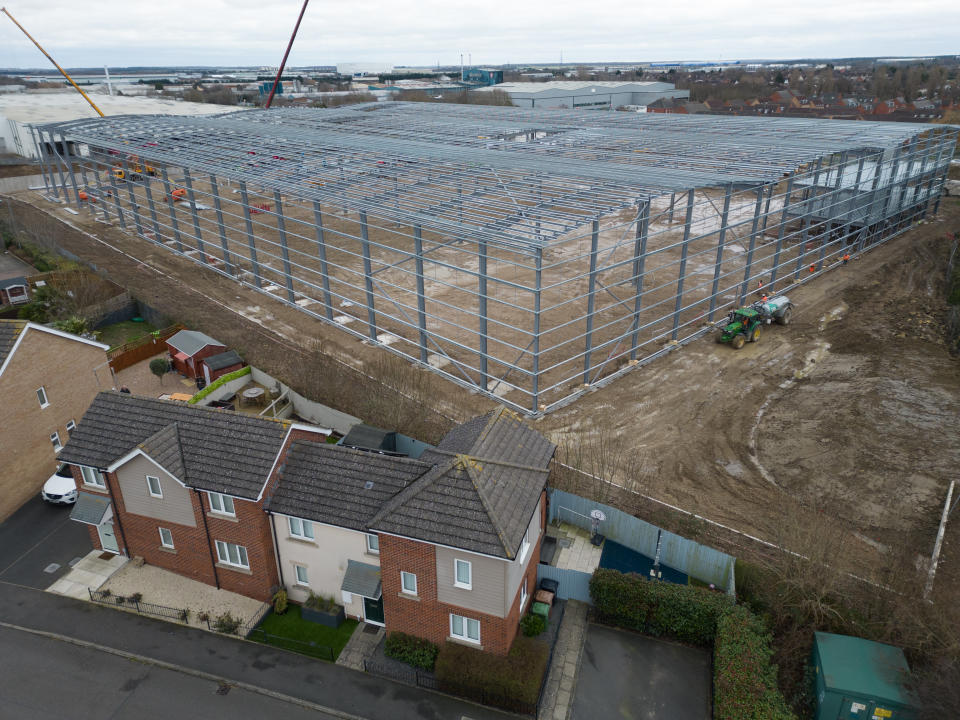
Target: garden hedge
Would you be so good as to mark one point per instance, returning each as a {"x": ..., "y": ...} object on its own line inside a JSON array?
[
  {"x": 745, "y": 679},
  {"x": 412, "y": 650},
  {"x": 219, "y": 382}
]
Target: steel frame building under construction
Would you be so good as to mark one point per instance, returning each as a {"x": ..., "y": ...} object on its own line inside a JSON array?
[{"x": 524, "y": 254}]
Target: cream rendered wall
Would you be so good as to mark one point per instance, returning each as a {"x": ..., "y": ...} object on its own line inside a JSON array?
[
  {"x": 325, "y": 558},
  {"x": 175, "y": 506}
]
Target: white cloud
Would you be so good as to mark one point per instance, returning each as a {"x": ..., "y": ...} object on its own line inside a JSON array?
[{"x": 251, "y": 32}]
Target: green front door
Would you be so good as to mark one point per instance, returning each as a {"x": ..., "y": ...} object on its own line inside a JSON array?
[{"x": 373, "y": 610}]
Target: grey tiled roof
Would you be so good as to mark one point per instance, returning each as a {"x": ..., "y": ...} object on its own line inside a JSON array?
[
  {"x": 191, "y": 341},
  {"x": 328, "y": 483},
  {"x": 9, "y": 332},
  {"x": 463, "y": 502},
  {"x": 501, "y": 436},
  {"x": 223, "y": 360},
  {"x": 362, "y": 579},
  {"x": 90, "y": 508},
  {"x": 219, "y": 450}
]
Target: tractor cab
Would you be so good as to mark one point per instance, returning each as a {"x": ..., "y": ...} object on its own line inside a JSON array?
[{"x": 743, "y": 325}]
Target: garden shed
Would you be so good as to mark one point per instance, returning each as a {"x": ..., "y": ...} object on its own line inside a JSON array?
[
  {"x": 188, "y": 348},
  {"x": 860, "y": 679},
  {"x": 221, "y": 364}
]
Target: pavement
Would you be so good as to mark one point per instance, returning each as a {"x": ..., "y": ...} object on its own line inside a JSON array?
[
  {"x": 38, "y": 537},
  {"x": 360, "y": 646},
  {"x": 84, "y": 683},
  {"x": 88, "y": 574},
  {"x": 562, "y": 675},
  {"x": 626, "y": 675}
]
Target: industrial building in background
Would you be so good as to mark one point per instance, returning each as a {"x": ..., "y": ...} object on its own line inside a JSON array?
[
  {"x": 591, "y": 95},
  {"x": 528, "y": 255}
]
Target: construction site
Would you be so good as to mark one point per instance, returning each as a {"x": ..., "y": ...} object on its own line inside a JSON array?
[{"x": 529, "y": 256}]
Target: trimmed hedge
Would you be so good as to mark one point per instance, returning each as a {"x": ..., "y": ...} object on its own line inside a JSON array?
[
  {"x": 684, "y": 612},
  {"x": 511, "y": 682},
  {"x": 744, "y": 678},
  {"x": 412, "y": 650},
  {"x": 222, "y": 380}
]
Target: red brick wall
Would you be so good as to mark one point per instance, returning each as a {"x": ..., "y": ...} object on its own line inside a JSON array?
[{"x": 428, "y": 618}]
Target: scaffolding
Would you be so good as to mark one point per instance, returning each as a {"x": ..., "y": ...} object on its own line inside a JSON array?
[{"x": 529, "y": 255}]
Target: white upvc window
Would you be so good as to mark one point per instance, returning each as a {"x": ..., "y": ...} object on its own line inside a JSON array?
[
  {"x": 166, "y": 538},
  {"x": 524, "y": 546},
  {"x": 373, "y": 544},
  {"x": 231, "y": 554},
  {"x": 42, "y": 397},
  {"x": 523, "y": 595},
  {"x": 153, "y": 486},
  {"x": 302, "y": 577},
  {"x": 93, "y": 477},
  {"x": 71, "y": 426},
  {"x": 462, "y": 574},
  {"x": 223, "y": 504},
  {"x": 302, "y": 529},
  {"x": 55, "y": 441},
  {"x": 465, "y": 628},
  {"x": 408, "y": 582}
]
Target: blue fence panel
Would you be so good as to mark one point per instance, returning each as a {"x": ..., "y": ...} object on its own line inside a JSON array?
[
  {"x": 574, "y": 585},
  {"x": 699, "y": 561}
]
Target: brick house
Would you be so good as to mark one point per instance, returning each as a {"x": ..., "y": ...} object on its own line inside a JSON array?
[
  {"x": 187, "y": 350},
  {"x": 182, "y": 487},
  {"x": 443, "y": 547},
  {"x": 48, "y": 378}
]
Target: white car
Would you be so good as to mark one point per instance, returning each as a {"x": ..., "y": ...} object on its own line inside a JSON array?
[{"x": 60, "y": 489}]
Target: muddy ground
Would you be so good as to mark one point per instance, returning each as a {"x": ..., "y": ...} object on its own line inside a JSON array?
[{"x": 851, "y": 410}]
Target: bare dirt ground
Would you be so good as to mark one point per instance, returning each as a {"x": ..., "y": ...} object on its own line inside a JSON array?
[{"x": 849, "y": 411}]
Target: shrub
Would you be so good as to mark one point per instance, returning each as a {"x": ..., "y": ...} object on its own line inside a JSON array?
[
  {"x": 280, "y": 602},
  {"x": 218, "y": 383},
  {"x": 323, "y": 603},
  {"x": 226, "y": 623},
  {"x": 136, "y": 597},
  {"x": 532, "y": 625},
  {"x": 511, "y": 682},
  {"x": 744, "y": 678},
  {"x": 684, "y": 612},
  {"x": 412, "y": 650}
]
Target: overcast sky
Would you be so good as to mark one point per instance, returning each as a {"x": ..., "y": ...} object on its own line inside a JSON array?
[{"x": 404, "y": 32}]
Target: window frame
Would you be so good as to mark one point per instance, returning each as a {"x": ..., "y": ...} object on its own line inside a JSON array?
[
  {"x": 304, "y": 524},
  {"x": 44, "y": 400},
  {"x": 55, "y": 441},
  {"x": 465, "y": 637},
  {"x": 403, "y": 587},
  {"x": 223, "y": 511},
  {"x": 225, "y": 559},
  {"x": 375, "y": 538},
  {"x": 457, "y": 582},
  {"x": 159, "y": 492},
  {"x": 71, "y": 426},
  {"x": 163, "y": 544},
  {"x": 96, "y": 474},
  {"x": 296, "y": 574}
]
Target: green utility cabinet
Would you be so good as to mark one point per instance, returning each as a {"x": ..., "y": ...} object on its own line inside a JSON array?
[{"x": 859, "y": 679}]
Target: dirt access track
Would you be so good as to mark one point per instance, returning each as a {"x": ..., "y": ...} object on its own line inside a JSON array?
[{"x": 851, "y": 410}]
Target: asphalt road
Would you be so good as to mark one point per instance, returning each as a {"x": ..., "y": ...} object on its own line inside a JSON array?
[
  {"x": 625, "y": 675},
  {"x": 11, "y": 266},
  {"x": 50, "y": 679},
  {"x": 37, "y": 536}
]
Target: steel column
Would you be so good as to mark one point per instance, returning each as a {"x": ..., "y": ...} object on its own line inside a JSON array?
[
  {"x": 322, "y": 253},
  {"x": 591, "y": 298},
  {"x": 639, "y": 263},
  {"x": 781, "y": 231},
  {"x": 284, "y": 250},
  {"x": 368, "y": 276},
  {"x": 721, "y": 238},
  {"x": 752, "y": 243},
  {"x": 134, "y": 208},
  {"x": 66, "y": 159},
  {"x": 193, "y": 212},
  {"x": 248, "y": 221},
  {"x": 537, "y": 297},
  {"x": 421, "y": 298},
  {"x": 482, "y": 307},
  {"x": 221, "y": 228},
  {"x": 170, "y": 206},
  {"x": 683, "y": 266},
  {"x": 115, "y": 194},
  {"x": 808, "y": 202}
]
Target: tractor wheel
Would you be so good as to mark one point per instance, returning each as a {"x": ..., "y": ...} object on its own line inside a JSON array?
[
  {"x": 784, "y": 319},
  {"x": 739, "y": 340},
  {"x": 755, "y": 335}
]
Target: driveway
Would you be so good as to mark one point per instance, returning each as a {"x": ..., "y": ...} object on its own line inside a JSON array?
[
  {"x": 625, "y": 675},
  {"x": 11, "y": 266},
  {"x": 37, "y": 537}
]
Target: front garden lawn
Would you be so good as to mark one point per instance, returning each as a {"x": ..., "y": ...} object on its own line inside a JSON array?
[{"x": 290, "y": 626}]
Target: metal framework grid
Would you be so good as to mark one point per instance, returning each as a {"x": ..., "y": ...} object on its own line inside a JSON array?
[{"x": 524, "y": 254}]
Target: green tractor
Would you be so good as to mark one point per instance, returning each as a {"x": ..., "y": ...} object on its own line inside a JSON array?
[{"x": 743, "y": 324}]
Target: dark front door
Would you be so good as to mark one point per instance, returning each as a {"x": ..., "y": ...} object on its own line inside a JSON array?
[{"x": 373, "y": 610}]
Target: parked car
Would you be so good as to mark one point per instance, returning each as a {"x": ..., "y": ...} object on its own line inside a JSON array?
[{"x": 60, "y": 489}]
